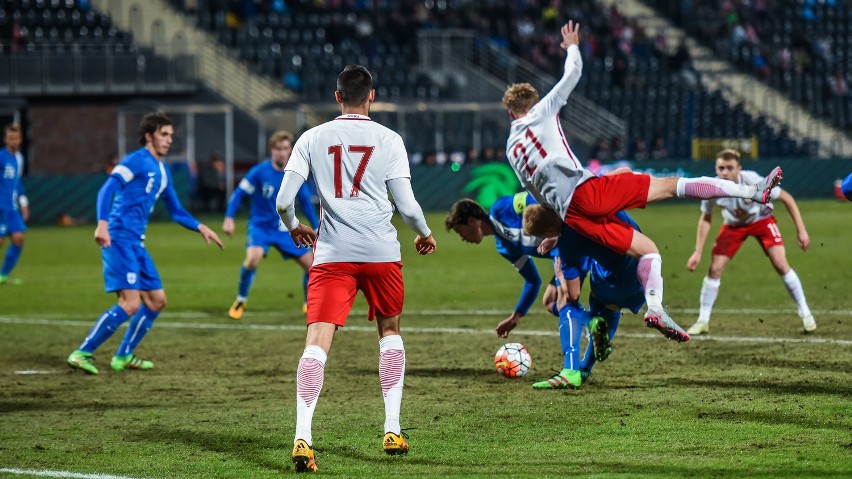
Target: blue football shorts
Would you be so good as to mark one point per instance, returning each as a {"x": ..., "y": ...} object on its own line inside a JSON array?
[
  {"x": 11, "y": 222},
  {"x": 127, "y": 265},
  {"x": 265, "y": 237},
  {"x": 620, "y": 288}
]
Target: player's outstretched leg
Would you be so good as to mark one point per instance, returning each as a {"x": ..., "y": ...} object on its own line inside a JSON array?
[
  {"x": 764, "y": 188},
  {"x": 304, "y": 459},
  {"x": 659, "y": 319}
]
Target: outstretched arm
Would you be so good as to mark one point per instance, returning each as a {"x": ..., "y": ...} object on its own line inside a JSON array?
[
  {"x": 532, "y": 284},
  {"x": 411, "y": 214},
  {"x": 233, "y": 206},
  {"x": 557, "y": 96},
  {"x": 802, "y": 234}
]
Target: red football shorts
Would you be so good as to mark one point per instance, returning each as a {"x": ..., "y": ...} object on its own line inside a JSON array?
[
  {"x": 595, "y": 203},
  {"x": 332, "y": 288},
  {"x": 732, "y": 237}
]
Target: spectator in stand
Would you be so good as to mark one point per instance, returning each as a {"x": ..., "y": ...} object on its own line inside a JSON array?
[
  {"x": 659, "y": 150},
  {"x": 640, "y": 151}
]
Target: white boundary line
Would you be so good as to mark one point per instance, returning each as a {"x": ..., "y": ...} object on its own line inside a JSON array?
[
  {"x": 54, "y": 320},
  {"x": 65, "y": 474}
]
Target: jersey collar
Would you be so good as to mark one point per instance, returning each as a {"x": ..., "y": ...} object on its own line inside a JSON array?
[{"x": 353, "y": 116}]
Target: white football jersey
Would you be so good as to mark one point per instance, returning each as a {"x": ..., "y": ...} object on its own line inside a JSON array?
[
  {"x": 351, "y": 158},
  {"x": 740, "y": 211},
  {"x": 537, "y": 148}
]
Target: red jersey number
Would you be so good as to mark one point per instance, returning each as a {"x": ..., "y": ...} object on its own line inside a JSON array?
[
  {"x": 337, "y": 152},
  {"x": 520, "y": 151}
]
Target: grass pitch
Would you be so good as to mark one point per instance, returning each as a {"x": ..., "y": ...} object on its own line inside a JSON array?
[{"x": 760, "y": 399}]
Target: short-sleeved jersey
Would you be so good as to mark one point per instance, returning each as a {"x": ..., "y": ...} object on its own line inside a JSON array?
[
  {"x": 10, "y": 181},
  {"x": 352, "y": 158},
  {"x": 144, "y": 178},
  {"x": 739, "y": 211},
  {"x": 538, "y": 151},
  {"x": 261, "y": 184}
]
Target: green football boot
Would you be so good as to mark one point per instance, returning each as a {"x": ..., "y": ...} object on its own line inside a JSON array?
[
  {"x": 120, "y": 363},
  {"x": 567, "y": 378},
  {"x": 601, "y": 345},
  {"x": 82, "y": 360}
]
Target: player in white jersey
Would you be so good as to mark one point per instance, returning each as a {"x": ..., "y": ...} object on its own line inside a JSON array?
[
  {"x": 546, "y": 166},
  {"x": 744, "y": 218},
  {"x": 355, "y": 163}
]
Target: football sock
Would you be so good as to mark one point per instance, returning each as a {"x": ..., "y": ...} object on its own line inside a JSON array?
[
  {"x": 650, "y": 277},
  {"x": 705, "y": 188},
  {"x": 709, "y": 291},
  {"x": 109, "y": 321},
  {"x": 392, "y": 376},
  {"x": 571, "y": 320},
  {"x": 305, "y": 286},
  {"x": 246, "y": 278},
  {"x": 794, "y": 286},
  {"x": 12, "y": 256},
  {"x": 140, "y": 323},
  {"x": 309, "y": 378}
]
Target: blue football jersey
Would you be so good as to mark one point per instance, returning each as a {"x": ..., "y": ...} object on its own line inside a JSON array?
[
  {"x": 578, "y": 252},
  {"x": 10, "y": 181},
  {"x": 507, "y": 219},
  {"x": 144, "y": 180},
  {"x": 846, "y": 187},
  {"x": 261, "y": 184}
]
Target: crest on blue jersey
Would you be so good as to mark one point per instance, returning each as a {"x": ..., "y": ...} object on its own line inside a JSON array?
[{"x": 131, "y": 278}]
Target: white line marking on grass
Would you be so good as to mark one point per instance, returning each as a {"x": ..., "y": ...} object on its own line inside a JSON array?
[
  {"x": 72, "y": 475},
  {"x": 35, "y": 371},
  {"x": 242, "y": 326}
]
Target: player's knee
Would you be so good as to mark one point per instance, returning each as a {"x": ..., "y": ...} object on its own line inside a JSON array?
[
  {"x": 17, "y": 239},
  {"x": 130, "y": 305}
]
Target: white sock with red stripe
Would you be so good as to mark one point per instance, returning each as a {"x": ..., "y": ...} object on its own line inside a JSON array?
[
  {"x": 650, "y": 277},
  {"x": 392, "y": 375},
  {"x": 709, "y": 291},
  {"x": 309, "y": 379},
  {"x": 705, "y": 188}
]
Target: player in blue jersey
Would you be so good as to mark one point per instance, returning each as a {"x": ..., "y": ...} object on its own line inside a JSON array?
[
  {"x": 261, "y": 184},
  {"x": 134, "y": 187},
  {"x": 846, "y": 187},
  {"x": 471, "y": 222},
  {"x": 614, "y": 285},
  {"x": 14, "y": 207}
]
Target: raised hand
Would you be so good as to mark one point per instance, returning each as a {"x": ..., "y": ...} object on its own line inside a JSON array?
[{"x": 570, "y": 34}]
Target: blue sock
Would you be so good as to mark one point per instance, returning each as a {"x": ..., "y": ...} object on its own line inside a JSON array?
[
  {"x": 571, "y": 319},
  {"x": 103, "y": 328},
  {"x": 140, "y": 323},
  {"x": 246, "y": 279},
  {"x": 305, "y": 286},
  {"x": 12, "y": 255}
]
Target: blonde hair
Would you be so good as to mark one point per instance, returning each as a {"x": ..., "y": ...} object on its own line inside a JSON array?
[
  {"x": 280, "y": 135},
  {"x": 728, "y": 154},
  {"x": 541, "y": 222},
  {"x": 520, "y": 97}
]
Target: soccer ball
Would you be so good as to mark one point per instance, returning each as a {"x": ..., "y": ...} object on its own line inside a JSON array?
[{"x": 512, "y": 360}]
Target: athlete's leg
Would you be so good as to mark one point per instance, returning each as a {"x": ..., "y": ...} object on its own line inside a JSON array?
[
  {"x": 706, "y": 187},
  {"x": 12, "y": 254},
  {"x": 153, "y": 303},
  {"x": 254, "y": 254},
  {"x": 778, "y": 257},
  {"x": 310, "y": 376},
  {"x": 649, "y": 273},
  {"x": 391, "y": 370},
  {"x": 129, "y": 301}
]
